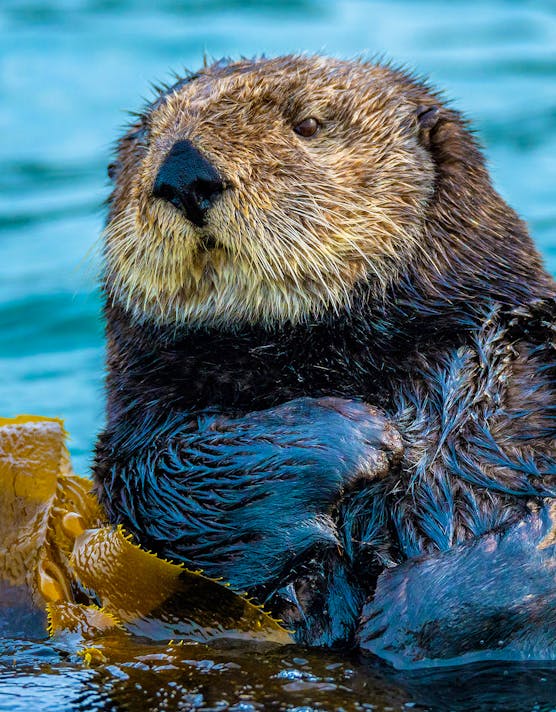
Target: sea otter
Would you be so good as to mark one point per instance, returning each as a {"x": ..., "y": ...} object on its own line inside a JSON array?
[{"x": 330, "y": 341}]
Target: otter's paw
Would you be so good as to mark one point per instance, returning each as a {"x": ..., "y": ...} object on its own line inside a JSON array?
[
  {"x": 488, "y": 599},
  {"x": 346, "y": 439},
  {"x": 380, "y": 442}
]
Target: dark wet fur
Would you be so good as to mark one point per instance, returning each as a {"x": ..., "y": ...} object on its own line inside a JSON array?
[
  {"x": 241, "y": 499},
  {"x": 203, "y": 462},
  {"x": 487, "y": 599}
]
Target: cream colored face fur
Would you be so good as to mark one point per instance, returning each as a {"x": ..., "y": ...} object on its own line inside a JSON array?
[{"x": 302, "y": 220}]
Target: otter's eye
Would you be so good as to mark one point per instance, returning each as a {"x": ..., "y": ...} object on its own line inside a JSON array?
[{"x": 307, "y": 128}]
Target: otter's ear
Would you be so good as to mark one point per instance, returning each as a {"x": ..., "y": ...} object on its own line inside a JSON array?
[
  {"x": 113, "y": 170},
  {"x": 427, "y": 119}
]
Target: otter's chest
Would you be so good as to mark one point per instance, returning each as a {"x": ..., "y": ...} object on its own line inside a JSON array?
[{"x": 241, "y": 373}]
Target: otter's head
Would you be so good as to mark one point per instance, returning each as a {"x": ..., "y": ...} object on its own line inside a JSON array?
[{"x": 264, "y": 191}]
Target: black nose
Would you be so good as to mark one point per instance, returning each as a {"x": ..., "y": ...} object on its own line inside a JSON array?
[{"x": 188, "y": 181}]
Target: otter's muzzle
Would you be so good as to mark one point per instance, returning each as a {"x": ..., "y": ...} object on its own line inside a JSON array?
[{"x": 188, "y": 181}]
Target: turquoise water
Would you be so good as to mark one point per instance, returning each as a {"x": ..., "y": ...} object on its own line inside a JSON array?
[{"x": 68, "y": 71}]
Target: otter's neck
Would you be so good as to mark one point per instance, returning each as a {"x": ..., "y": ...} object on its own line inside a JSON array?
[
  {"x": 354, "y": 355},
  {"x": 239, "y": 370}
]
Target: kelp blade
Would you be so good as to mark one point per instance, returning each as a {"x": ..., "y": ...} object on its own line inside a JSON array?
[{"x": 59, "y": 552}]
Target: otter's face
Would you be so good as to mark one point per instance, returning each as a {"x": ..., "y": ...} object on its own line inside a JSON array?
[{"x": 263, "y": 192}]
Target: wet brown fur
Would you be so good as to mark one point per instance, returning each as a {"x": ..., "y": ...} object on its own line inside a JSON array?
[{"x": 374, "y": 260}]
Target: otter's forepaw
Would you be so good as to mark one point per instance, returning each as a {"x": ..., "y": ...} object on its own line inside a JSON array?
[
  {"x": 336, "y": 441},
  {"x": 374, "y": 441}
]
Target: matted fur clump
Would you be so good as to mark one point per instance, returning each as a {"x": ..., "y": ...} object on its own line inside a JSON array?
[{"x": 330, "y": 341}]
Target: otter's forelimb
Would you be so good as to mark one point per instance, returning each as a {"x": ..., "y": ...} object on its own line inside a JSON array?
[
  {"x": 243, "y": 498},
  {"x": 479, "y": 425}
]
